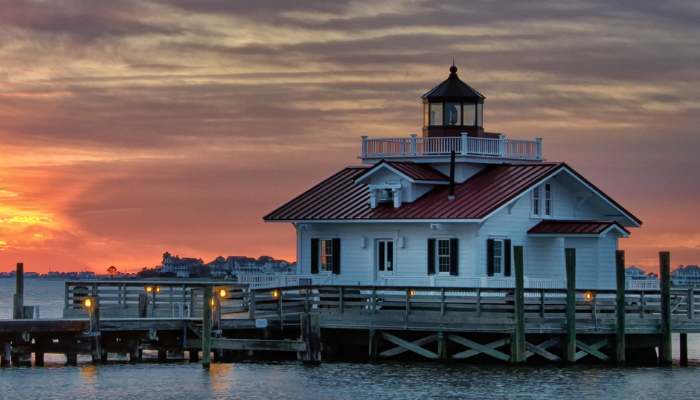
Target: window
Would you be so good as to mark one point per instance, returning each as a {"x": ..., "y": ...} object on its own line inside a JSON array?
[
  {"x": 326, "y": 255},
  {"x": 479, "y": 114},
  {"x": 443, "y": 256},
  {"x": 536, "y": 201},
  {"x": 469, "y": 112},
  {"x": 453, "y": 114},
  {"x": 498, "y": 256},
  {"x": 443, "y": 260},
  {"x": 548, "y": 200},
  {"x": 436, "y": 114}
]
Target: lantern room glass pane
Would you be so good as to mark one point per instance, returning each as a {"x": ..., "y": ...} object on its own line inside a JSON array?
[
  {"x": 453, "y": 114},
  {"x": 469, "y": 114},
  {"x": 436, "y": 114},
  {"x": 479, "y": 114},
  {"x": 426, "y": 114}
]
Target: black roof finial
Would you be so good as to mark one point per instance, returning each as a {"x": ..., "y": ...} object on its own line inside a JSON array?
[{"x": 453, "y": 70}]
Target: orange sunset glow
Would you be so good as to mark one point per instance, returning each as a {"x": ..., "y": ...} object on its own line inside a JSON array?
[{"x": 129, "y": 128}]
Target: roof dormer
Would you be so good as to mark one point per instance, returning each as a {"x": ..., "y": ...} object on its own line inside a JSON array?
[{"x": 394, "y": 183}]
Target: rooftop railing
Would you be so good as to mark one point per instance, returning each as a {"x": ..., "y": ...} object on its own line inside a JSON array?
[{"x": 464, "y": 146}]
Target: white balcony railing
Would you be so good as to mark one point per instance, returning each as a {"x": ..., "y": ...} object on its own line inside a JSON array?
[
  {"x": 464, "y": 146},
  {"x": 269, "y": 281}
]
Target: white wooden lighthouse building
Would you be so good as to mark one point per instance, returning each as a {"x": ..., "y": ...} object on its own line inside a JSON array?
[{"x": 446, "y": 207}]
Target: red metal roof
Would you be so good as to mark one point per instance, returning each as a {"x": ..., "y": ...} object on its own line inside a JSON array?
[
  {"x": 417, "y": 172},
  {"x": 340, "y": 198},
  {"x": 574, "y": 227}
]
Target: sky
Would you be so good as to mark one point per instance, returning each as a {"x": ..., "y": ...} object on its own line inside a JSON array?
[{"x": 129, "y": 128}]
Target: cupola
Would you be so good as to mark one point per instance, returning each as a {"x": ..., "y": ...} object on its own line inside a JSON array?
[{"x": 453, "y": 107}]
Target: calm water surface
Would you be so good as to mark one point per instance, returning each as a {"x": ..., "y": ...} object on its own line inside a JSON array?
[{"x": 120, "y": 380}]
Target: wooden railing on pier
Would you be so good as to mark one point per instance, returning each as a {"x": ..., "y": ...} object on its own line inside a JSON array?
[
  {"x": 472, "y": 309},
  {"x": 165, "y": 299}
]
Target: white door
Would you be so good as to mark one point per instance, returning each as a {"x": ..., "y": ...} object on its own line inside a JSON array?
[{"x": 385, "y": 258}]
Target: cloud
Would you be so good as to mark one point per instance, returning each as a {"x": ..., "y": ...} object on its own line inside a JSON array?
[{"x": 129, "y": 128}]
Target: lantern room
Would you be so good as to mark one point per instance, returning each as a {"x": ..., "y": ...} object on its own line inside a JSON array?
[{"x": 453, "y": 107}]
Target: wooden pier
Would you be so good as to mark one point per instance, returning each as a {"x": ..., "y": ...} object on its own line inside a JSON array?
[{"x": 335, "y": 322}]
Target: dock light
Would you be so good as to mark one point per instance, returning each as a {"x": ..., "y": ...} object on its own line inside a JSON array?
[
  {"x": 88, "y": 303},
  {"x": 275, "y": 294},
  {"x": 412, "y": 293},
  {"x": 589, "y": 296},
  {"x": 149, "y": 289},
  {"x": 157, "y": 289},
  {"x": 222, "y": 293},
  {"x": 212, "y": 302}
]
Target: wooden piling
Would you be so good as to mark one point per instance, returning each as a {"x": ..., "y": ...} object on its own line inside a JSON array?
[
  {"x": 684, "y": 349},
  {"x": 620, "y": 307},
  {"x": 18, "y": 298},
  {"x": 570, "y": 344},
  {"x": 72, "y": 358},
  {"x": 206, "y": 327},
  {"x": 143, "y": 305},
  {"x": 666, "y": 348},
  {"x": 162, "y": 355},
  {"x": 517, "y": 355},
  {"x": 194, "y": 355},
  {"x": 373, "y": 345},
  {"x": 94, "y": 316}
]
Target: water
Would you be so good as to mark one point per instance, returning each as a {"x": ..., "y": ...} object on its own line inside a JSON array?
[{"x": 289, "y": 380}]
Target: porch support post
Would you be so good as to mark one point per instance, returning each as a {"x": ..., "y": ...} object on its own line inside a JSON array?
[
  {"x": 570, "y": 345},
  {"x": 620, "y": 309}
]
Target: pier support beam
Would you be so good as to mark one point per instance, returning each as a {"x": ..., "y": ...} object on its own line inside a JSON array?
[
  {"x": 684, "y": 349},
  {"x": 620, "y": 307},
  {"x": 72, "y": 359},
  {"x": 206, "y": 327},
  {"x": 311, "y": 335},
  {"x": 570, "y": 344},
  {"x": 194, "y": 355},
  {"x": 666, "y": 348},
  {"x": 38, "y": 359},
  {"x": 517, "y": 349},
  {"x": 94, "y": 316},
  {"x": 373, "y": 342},
  {"x": 6, "y": 354}
]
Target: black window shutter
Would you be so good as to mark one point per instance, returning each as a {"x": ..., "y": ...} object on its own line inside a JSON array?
[
  {"x": 431, "y": 256},
  {"x": 454, "y": 257},
  {"x": 314, "y": 256},
  {"x": 506, "y": 257},
  {"x": 336, "y": 256},
  {"x": 489, "y": 257}
]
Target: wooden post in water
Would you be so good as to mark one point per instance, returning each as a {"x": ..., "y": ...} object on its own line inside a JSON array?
[
  {"x": 18, "y": 298},
  {"x": 620, "y": 307},
  {"x": 666, "y": 348},
  {"x": 315, "y": 338},
  {"x": 517, "y": 354},
  {"x": 570, "y": 345},
  {"x": 206, "y": 327}
]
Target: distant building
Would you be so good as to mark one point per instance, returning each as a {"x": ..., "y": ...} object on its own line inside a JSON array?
[
  {"x": 181, "y": 267},
  {"x": 686, "y": 276},
  {"x": 637, "y": 279},
  {"x": 242, "y": 265}
]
